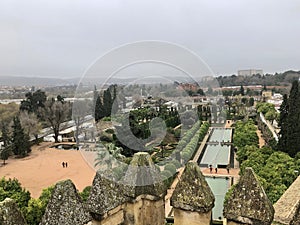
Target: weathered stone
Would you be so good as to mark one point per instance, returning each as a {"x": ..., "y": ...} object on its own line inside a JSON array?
[
  {"x": 106, "y": 194},
  {"x": 286, "y": 206},
  {"x": 249, "y": 203},
  {"x": 10, "y": 213},
  {"x": 191, "y": 218},
  {"x": 65, "y": 206},
  {"x": 145, "y": 212},
  {"x": 143, "y": 177},
  {"x": 296, "y": 217},
  {"x": 192, "y": 193}
]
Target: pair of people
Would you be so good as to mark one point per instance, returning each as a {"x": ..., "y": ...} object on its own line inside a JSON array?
[
  {"x": 64, "y": 164},
  {"x": 210, "y": 169}
]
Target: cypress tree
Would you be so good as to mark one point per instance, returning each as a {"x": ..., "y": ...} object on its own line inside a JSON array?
[
  {"x": 293, "y": 129},
  {"x": 107, "y": 102},
  {"x": 5, "y": 151},
  {"x": 242, "y": 90},
  {"x": 284, "y": 111},
  {"x": 99, "y": 109},
  {"x": 20, "y": 141},
  {"x": 290, "y": 122}
]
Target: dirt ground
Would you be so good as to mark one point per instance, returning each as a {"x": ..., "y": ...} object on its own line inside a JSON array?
[
  {"x": 260, "y": 138},
  {"x": 43, "y": 168}
]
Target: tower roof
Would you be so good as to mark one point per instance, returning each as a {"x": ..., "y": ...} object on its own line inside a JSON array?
[
  {"x": 65, "y": 206},
  {"x": 10, "y": 213},
  {"x": 296, "y": 217},
  {"x": 249, "y": 203},
  {"x": 192, "y": 193},
  {"x": 143, "y": 177},
  {"x": 106, "y": 194}
]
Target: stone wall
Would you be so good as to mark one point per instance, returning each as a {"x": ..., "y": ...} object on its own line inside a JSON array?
[
  {"x": 145, "y": 210},
  {"x": 112, "y": 217},
  {"x": 191, "y": 218}
]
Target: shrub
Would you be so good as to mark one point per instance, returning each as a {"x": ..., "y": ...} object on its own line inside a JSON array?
[
  {"x": 170, "y": 167},
  {"x": 176, "y": 163}
]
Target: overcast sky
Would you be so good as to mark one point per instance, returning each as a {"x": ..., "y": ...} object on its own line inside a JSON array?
[{"x": 61, "y": 38}]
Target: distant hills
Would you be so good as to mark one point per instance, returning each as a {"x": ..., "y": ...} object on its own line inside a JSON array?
[
  {"x": 277, "y": 79},
  {"x": 50, "y": 82},
  {"x": 35, "y": 81}
]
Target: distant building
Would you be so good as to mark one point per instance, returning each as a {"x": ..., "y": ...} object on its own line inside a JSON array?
[
  {"x": 266, "y": 94},
  {"x": 249, "y": 72}
]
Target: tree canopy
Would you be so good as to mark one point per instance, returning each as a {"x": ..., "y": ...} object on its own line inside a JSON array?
[{"x": 289, "y": 122}]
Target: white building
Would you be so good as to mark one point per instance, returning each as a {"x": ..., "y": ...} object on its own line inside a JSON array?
[{"x": 249, "y": 72}]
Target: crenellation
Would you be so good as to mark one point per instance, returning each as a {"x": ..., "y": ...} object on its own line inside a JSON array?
[
  {"x": 192, "y": 199},
  {"x": 10, "y": 213},
  {"x": 65, "y": 206},
  {"x": 248, "y": 203}
]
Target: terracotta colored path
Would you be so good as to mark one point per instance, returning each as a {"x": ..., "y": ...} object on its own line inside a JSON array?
[
  {"x": 260, "y": 138},
  {"x": 43, "y": 168}
]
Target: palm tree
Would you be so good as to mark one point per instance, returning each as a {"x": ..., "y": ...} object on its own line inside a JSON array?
[{"x": 108, "y": 155}]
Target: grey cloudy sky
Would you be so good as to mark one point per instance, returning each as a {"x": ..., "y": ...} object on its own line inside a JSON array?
[{"x": 61, "y": 38}]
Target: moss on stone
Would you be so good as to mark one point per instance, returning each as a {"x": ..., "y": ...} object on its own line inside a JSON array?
[
  {"x": 249, "y": 203},
  {"x": 192, "y": 193},
  {"x": 296, "y": 217},
  {"x": 106, "y": 194},
  {"x": 65, "y": 206},
  {"x": 10, "y": 213},
  {"x": 143, "y": 177}
]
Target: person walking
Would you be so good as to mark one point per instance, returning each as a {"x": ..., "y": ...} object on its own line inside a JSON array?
[
  {"x": 210, "y": 168},
  {"x": 63, "y": 164},
  {"x": 66, "y": 165},
  {"x": 227, "y": 168}
]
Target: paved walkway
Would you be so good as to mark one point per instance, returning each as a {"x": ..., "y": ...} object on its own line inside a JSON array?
[
  {"x": 271, "y": 128},
  {"x": 260, "y": 138},
  {"x": 168, "y": 207},
  {"x": 201, "y": 147}
]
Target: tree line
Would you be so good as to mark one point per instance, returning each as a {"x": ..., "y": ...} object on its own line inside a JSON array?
[
  {"x": 276, "y": 79},
  {"x": 276, "y": 170},
  {"x": 35, "y": 112}
]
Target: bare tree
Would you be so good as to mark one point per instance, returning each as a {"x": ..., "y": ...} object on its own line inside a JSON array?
[
  {"x": 80, "y": 110},
  {"x": 31, "y": 124},
  {"x": 55, "y": 113}
]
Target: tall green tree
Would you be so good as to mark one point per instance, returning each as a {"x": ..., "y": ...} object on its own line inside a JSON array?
[
  {"x": 103, "y": 106},
  {"x": 6, "y": 148},
  {"x": 284, "y": 112},
  {"x": 242, "y": 90},
  {"x": 20, "y": 140},
  {"x": 5, "y": 135},
  {"x": 99, "y": 109},
  {"x": 290, "y": 122},
  {"x": 33, "y": 102}
]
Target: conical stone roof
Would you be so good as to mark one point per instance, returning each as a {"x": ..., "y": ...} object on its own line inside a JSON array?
[
  {"x": 65, "y": 206},
  {"x": 249, "y": 203},
  {"x": 106, "y": 194},
  {"x": 10, "y": 213},
  {"x": 143, "y": 177},
  {"x": 192, "y": 193},
  {"x": 296, "y": 217}
]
